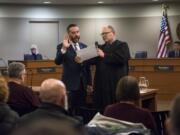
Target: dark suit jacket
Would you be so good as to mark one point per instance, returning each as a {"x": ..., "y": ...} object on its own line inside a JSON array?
[
  {"x": 171, "y": 54},
  {"x": 49, "y": 111},
  {"x": 8, "y": 119},
  {"x": 22, "y": 99},
  {"x": 74, "y": 75},
  {"x": 31, "y": 57}
]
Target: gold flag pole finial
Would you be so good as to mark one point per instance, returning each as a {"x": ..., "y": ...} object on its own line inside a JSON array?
[{"x": 164, "y": 7}]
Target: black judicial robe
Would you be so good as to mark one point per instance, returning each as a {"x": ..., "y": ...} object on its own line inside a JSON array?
[{"x": 109, "y": 70}]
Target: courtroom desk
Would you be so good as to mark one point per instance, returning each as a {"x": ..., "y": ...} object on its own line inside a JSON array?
[
  {"x": 148, "y": 99},
  {"x": 3, "y": 71},
  {"x": 163, "y": 74}
]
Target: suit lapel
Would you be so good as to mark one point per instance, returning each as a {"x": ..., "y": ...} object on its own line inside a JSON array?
[{"x": 81, "y": 46}]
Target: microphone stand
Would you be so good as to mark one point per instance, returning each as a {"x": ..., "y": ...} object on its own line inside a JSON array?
[{"x": 31, "y": 77}]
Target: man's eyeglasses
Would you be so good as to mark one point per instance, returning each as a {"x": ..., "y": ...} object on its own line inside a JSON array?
[{"x": 105, "y": 33}]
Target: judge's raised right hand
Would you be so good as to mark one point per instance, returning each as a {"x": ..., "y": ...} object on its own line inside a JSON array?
[{"x": 66, "y": 43}]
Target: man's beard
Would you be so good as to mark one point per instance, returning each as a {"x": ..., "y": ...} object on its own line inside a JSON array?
[{"x": 75, "y": 39}]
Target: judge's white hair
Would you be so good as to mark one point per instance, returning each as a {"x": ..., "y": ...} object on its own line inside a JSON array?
[{"x": 34, "y": 46}]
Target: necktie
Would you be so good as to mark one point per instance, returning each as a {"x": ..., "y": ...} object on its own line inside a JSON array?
[{"x": 75, "y": 47}]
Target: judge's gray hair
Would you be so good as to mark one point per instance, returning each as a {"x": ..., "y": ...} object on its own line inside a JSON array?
[{"x": 111, "y": 27}]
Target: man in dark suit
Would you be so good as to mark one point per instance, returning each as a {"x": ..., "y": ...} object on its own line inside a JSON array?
[
  {"x": 76, "y": 76},
  {"x": 175, "y": 53},
  {"x": 35, "y": 55}
]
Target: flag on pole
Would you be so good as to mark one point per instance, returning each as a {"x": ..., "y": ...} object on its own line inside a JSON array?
[{"x": 164, "y": 37}]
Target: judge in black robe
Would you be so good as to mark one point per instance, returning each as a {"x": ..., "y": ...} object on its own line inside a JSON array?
[{"x": 111, "y": 65}]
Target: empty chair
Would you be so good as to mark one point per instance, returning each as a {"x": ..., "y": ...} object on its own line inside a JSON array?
[{"x": 141, "y": 54}]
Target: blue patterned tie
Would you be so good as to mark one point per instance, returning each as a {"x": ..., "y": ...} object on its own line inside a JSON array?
[{"x": 76, "y": 46}]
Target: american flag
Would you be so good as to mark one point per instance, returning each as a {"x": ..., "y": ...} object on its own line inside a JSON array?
[{"x": 164, "y": 38}]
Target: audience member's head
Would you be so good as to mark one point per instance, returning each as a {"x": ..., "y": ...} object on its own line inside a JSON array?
[
  {"x": 127, "y": 89},
  {"x": 34, "y": 49},
  {"x": 53, "y": 91},
  {"x": 16, "y": 70},
  {"x": 73, "y": 32},
  {"x": 48, "y": 127},
  {"x": 176, "y": 45},
  {"x": 108, "y": 34},
  {"x": 4, "y": 92},
  {"x": 173, "y": 124}
]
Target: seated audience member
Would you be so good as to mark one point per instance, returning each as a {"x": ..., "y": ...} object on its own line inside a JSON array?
[
  {"x": 21, "y": 98},
  {"x": 8, "y": 117},
  {"x": 54, "y": 104},
  {"x": 35, "y": 55},
  {"x": 127, "y": 95},
  {"x": 175, "y": 53},
  {"x": 173, "y": 123}
]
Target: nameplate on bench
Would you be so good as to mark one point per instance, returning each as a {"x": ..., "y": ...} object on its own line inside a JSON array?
[
  {"x": 165, "y": 68},
  {"x": 131, "y": 68},
  {"x": 46, "y": 70}
]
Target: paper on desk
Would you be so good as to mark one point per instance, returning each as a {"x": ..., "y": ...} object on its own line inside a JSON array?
[{"x": 87, "y": 53}]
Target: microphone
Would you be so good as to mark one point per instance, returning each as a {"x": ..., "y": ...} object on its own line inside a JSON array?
[
  {"x": 96, "y": 44},
  {"x": 46, "y": 57}
]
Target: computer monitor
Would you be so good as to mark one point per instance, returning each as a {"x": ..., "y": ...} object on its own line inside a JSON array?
[
  {"x": 141, "y": 54},
  {"x": 28, "y": 57}
]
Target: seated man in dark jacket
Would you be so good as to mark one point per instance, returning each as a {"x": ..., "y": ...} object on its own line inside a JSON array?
[
  {"x": 54, "y": 104},
  {"x": 22, "y": 99},
  {"x": 35, "y": 55},
  {"x": 8, "y": 118},
  {"x": 175, "y": 53}
]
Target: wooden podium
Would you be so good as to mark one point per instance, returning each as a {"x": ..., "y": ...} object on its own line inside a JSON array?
[
  {"x": 39, "y": 70},
  {"x": 163, "y": 74}
]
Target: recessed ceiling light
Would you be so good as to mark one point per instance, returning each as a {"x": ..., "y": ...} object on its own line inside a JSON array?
[
  {"x": 46, "y": 2},
  {"x": 100, "y": 2},
  {"x": 155, "y": 0}
]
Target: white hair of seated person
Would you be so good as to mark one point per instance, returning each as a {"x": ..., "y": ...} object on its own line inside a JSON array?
[
  {"x": 54, "y": 91},
  {"x": 34, "y": 46}
]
